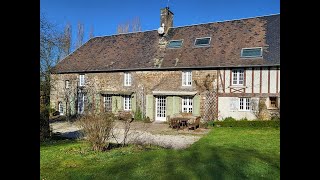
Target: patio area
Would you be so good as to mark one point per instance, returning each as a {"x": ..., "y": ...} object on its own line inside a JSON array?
[{"x": 140, "y": 133}]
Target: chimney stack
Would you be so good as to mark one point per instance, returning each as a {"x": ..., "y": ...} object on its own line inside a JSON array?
[{"x": 166, "y": 19}]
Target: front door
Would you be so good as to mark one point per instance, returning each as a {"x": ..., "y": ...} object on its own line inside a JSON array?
[{"x": 160, "y": 108}]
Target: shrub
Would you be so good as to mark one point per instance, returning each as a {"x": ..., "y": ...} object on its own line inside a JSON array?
[
  {"x": 97, "y": 129},
  {"x": 138, "y": 115},
  {"x": 229, "y": 119},
  {"x": 44, "y": 123},
  {"x": 256, "y": 123},
  {"x": 146, "y": 120}
]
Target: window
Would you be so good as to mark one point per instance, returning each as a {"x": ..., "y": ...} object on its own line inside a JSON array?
[
  {"x": 175, "y": 44},
  {"x": 81, "y": 98},
  {"x": 273, "y": 102},
  {"x": 244, "y": 104},
  {"x": 237, "y": 77},
  {"x": 251, "y": 52},
  {"x": 127, "y": 79},
  {"x": 67, "y": 84},
  {"x": 202, "y": 41},
  {"x": 127, "y": 102},
  {"x": 186, "y": 78},
  {"x": 187, "y": 104},
  {"x": 60, "y": 107},
  {"x": 107, "y": 99},
  {"x": 81, "y": 80}
]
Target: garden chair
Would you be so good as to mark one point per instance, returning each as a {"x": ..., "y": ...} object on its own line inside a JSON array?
[{"x": 195, "y": 124}]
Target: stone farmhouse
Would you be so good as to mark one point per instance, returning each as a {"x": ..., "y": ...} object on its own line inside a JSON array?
[{"x": 213, "y": 70}]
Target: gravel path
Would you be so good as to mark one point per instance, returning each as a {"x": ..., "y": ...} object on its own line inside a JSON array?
[{"x": 135, "y": 136}]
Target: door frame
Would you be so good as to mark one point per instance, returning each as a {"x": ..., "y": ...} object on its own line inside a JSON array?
[{"x": 156, "y": 108}]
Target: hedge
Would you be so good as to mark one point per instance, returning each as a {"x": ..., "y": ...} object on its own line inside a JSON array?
[{"x": 269, "y": 123}]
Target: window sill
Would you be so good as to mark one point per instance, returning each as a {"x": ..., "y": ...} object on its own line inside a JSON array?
[
  {"x": 272, "y": 108},
  {"x": 237, "y": 86}
]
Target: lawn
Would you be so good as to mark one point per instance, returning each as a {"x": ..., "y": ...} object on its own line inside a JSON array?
[{"x": 224, "y": 153}]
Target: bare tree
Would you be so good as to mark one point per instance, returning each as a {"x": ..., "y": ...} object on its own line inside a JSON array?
[
  {"x": 66, "y": 40},
  {"x": 49, "y": 56},
  {"x": 80, "y": 35},
  {"x": 129, "y": 26},
  {"x": 135, "y": 24},
  {"x": 91, "y": 35}
]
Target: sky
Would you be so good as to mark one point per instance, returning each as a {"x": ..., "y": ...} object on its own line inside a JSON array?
[{"x": 105, "y": 15}]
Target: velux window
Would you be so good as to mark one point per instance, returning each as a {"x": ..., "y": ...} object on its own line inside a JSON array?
[
  {"x": 244, "y": 104},
  {"x": 186, "y": 78},
  {"x": 175, "y": 44},
  {"x": 237, "y": 77},
  {"x": 127, "y": 79},
  {"x": 251, "y": 52},
  {"x": 205, "y": 41}
]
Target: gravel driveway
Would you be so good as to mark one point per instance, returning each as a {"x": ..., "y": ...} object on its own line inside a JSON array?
[{"x": 140, "y": 133}]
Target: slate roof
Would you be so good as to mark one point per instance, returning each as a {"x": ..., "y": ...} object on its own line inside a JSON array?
[{"x": 141, "y": 50}]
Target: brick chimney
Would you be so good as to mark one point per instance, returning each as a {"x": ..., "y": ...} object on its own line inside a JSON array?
[{"x": 166, "y": 18}]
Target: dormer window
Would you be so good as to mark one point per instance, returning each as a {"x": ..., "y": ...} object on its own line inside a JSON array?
[
  {"x": 251, "y": 52},
  {"x": 205, "y": 41},
  {"x": 127, "y": 79},
  {"x": 175, "y": 44}
]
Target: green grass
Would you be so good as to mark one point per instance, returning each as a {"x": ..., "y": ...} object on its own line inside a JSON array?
[{"x": 225, "y": 153}]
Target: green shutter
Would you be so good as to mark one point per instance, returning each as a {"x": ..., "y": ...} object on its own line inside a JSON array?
[
  {"x": 133, "y": 103},
  {"x": 149, "y": 106},
  {"x": 116, "y": 103},
  {"x": 97, "y": 103},
  {"x": 196, "y": 105},
  {"x": 176, "y": 105},
  {"x": 169, "y": 105}
]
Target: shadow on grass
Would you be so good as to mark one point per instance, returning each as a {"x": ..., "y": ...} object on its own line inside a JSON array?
[{"x": 199, "y": 163}]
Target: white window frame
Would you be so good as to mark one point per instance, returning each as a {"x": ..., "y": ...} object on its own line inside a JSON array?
[
  {"x": 186, "y": 78},
  {"x": 81, "y": 97},
  {"x": 127, "y": 103},
  {"x": 236, "y": 77},
  {"x": 107, "y": 99},
  {"x": 127, "y": 79},
  {"x": 251, "y": 56},
  {"x": 204, "y": 45},
  {"x": 81, "y": 80},
  {"x": 67, "y": 84},
  {"x": 244, "y": 104},
  {"x": 60, "y": 108},
  {"x": 187, "y": 104}
]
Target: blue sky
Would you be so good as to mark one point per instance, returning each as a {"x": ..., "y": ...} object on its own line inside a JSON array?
[{"x": 105, "y": 15}]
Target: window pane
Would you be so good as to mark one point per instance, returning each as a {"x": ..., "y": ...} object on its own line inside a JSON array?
[
  {"x": 241, "y": 103},
  {"x": 252, "y": 52},
  {"x": 175, "y": 44},
  {"x": 202, "y": 42},
  {"x": 247, "y": 104}
]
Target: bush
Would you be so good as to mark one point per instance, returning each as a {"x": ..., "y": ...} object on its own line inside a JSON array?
[
  {"x": 229, "y": 119},
  {"x": 256, "y": 123},
  {"x": 146, "y": 120},
  {"x": 138, "y": 115},
  {"x": 97, "y": 129},
  {"x": 44, "y": 123}
]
